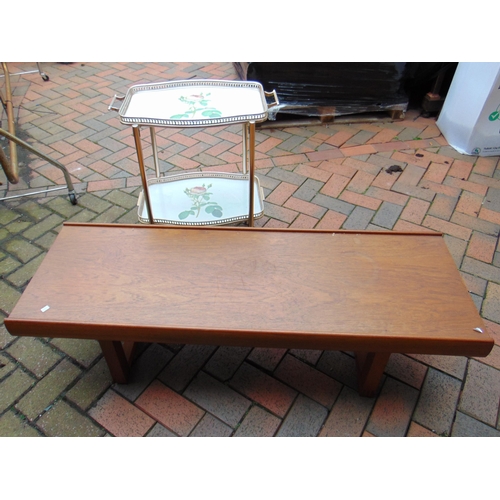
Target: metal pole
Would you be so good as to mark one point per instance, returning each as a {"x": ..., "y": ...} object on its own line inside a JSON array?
[
  {"x": 245, "y": 147},
  {"x": 252, "y": 172},
  {"x": 155, "y": 150},
  {"x": 69, "y": 183},
  {"x": 137, "y": 137},
  {"x": 10, "y": 120}
]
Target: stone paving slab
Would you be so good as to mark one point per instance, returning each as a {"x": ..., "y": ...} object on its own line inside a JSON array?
[{"x": 330, "y": 176}]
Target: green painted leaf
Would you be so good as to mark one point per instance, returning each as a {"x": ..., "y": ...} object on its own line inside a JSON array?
[
  {"x": 217, "y": 213},
  {"x": 212, "y": 113},
  {"x": 185, "y": 214},
  {"x": 179, "y": 117}
]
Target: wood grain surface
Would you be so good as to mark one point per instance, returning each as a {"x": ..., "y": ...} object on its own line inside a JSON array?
[{"x": 361, "y": 291}]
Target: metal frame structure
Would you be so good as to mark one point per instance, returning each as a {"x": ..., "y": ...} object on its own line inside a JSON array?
[
  {"x": 11, "y": 167},
  {"x": 69, "y": 183},
  {"x": 148, "y": 115}
]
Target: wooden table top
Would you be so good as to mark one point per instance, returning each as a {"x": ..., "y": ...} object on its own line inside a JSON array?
[{"x": 385, "y": 292}]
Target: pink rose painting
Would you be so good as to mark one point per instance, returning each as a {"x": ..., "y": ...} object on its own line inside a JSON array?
[{"x": 200, "y": 198}]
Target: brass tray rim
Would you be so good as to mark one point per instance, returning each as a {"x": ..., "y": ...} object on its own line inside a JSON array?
[{"x": 165, "y": 122}]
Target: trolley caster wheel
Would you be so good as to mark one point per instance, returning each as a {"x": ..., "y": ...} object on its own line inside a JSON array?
[
  {"x": 45, "y": 77},
  {"x": 73, "y": 199}
]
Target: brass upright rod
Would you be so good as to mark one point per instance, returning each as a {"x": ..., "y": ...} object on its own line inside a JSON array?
[
  {"x": 140, "y": 158},
  {"x": 244, "y": 155},
  {"x": 251, "y": 127},
  {"x": 155, "y": 150},
  {"x": 14, "y": 176}
]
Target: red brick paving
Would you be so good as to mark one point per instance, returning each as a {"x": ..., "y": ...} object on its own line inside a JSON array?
[
  {"x": 169, "y": 408},
  {"x": 313, "y": 177},
  {"x": 119, "y": 417}
]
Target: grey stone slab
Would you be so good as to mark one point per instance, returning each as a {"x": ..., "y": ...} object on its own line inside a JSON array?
[
  {"x": 481, "y": 269},
  {"x": 21, "y": 249},
  {"x": 91, "y": 386},
  {"x": 453, "y": 365},
  {"x": 217, "y": 398},
  {"x": 8, "y": 297},
  {"x": 13, "y": 387},
  {"x": 264, "y": 389},
  {"x": 266, "y": 357},
  {"x": 359, "y": 218},
  {"x": 466, "y": 426},
  {"x": 83, "y": 351},
  {"x": 48, "y": 389},
  {"x": 393, "y": 409},
  {"x": 340, "y": 366},
  {"x": 333, "y": 204},
  {"x": 209, "y": 426},
  {"x": 456, "y": 247},
  {"x": 12, "y": 425},
  {"x": 438, "y": 401},
  {"x": 406, "y": 369},
  {"x": 258, "y": 423},
  {"x": 491, "y": 305},
  {"x": 284, "y": 175},
  {"x": 226, "y": 360},
  {"x": 34, "y": 354},
  {"x": 481, "y": 393},
  {"x": 492, "y": 199},
  {"x": 310, "y": 356},
  {"x": 268, "y": 182},
  {"x": 25, "y": 273},
  {"x": 475, "y": 224},
  {"x": 64, "y": 421},
  {"x": 291, "y": 143},
  {"x": 304, "y": 419},
  {"x": 159, "y": 431},
  {"x": 348, "y": 416},
  {"x": 387, "y": 215},
  {"x": 145, "y": 368},
  {"x": 308, "y": 190},
  {"x": 184, "y": 366}
]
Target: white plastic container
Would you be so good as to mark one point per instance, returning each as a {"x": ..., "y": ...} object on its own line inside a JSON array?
[{"x": 470, "y": 117}]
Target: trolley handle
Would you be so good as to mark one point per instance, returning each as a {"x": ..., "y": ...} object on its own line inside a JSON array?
[
  {"x": 115, "y": 98},
  {"x": 274, "y": 96}
]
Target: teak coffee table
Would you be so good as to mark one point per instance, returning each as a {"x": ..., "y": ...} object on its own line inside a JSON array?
[{"x": 371, "y": 293}]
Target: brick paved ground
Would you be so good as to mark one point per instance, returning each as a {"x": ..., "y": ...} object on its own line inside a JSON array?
[{"x": 314, "y": 177}]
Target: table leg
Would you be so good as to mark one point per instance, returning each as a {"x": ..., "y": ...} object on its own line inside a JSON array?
[
  {"x": 118, "y": 356},
  {"x": 371, "y": 366}
]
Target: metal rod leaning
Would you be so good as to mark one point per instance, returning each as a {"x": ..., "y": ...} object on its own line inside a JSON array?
[
  {"x": 25, "y": 145},
  {"x": 13, "y": 174}
]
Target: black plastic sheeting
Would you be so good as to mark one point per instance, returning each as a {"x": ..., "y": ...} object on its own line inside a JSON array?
[{"x": 319, "y": 89}]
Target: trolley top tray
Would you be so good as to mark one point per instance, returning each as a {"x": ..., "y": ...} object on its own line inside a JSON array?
[{"x": 194, "y": 103}]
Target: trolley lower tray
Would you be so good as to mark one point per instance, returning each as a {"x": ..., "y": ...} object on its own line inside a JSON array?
[{"x": 200, "y": 199}]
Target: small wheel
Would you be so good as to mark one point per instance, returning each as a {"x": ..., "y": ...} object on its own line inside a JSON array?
[
  {"x": 72, "y": 198},
  {"x": 45, "y": 77}
]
